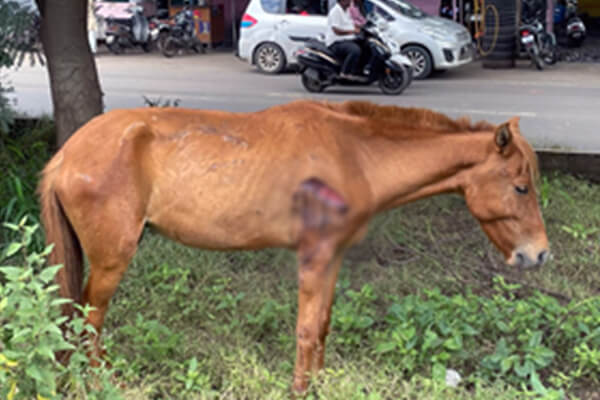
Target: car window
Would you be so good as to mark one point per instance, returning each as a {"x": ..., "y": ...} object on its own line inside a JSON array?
[
  {"x": 272, "y": 6},
  {"x": 307, "y": 7},
  {"x": 405, "y": 8},
  {"x": 370, "y": 7}
]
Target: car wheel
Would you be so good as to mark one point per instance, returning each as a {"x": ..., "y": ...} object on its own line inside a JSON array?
[
  {"x": 269, "y": 58},
  {"x": 422, "y": 62}
]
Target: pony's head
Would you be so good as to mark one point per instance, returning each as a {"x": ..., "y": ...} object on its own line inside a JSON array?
[{"x": 501, "y": 194}]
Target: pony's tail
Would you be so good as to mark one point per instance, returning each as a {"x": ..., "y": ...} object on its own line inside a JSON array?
[{"x": 67, "y": 249}]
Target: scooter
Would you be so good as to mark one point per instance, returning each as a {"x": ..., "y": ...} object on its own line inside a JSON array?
[
  {"x": 381, "y": 61},
  {"x": 130, "y": 34},
  {"x": 567, "y": 23}
]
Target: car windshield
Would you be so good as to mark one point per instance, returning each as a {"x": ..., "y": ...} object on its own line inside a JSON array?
[{"x": 405, "y": 8}]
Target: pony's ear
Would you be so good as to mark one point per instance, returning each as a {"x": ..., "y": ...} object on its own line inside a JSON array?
[
  {"x": 503, "y": 137},
  {"x": 513, "y": 124}
]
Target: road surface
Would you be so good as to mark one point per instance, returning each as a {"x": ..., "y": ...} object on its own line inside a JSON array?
[{"x": 559, "y": 107}]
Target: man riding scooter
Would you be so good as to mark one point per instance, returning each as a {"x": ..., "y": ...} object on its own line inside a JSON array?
[{"x": 340, "y": 38}]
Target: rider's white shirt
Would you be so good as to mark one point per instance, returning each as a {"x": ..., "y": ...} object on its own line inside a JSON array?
[{"x": 340, "y": 19}]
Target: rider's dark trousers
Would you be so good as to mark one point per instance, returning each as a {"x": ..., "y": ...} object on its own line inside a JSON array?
[{"x": 349, "y": 51}]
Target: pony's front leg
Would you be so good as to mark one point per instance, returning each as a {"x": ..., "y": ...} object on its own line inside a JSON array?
[
  {"x": 314, "y": 303},
  {"x": 323, "y": 217},
  {"x": 325, "y": 316}
]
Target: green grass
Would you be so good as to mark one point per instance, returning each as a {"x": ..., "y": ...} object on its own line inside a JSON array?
[
  {"x": 23, "y": 153},
  {"x": 193, "y": 324},
  {"x": 234, "y": 313}
]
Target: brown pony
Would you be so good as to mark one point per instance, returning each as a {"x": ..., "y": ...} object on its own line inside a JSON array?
[{"x": 306, "y": 176}]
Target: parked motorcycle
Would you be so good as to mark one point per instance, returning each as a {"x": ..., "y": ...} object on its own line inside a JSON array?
[
  {"x": 539, "y": 45},
  {"x": 182, "y": 35},
  {"x": 381, "y": 61},
  {"x": 159, "y": 32},
  {"x": 568, "y": 24},
  {"x": 128, "y": 34}
]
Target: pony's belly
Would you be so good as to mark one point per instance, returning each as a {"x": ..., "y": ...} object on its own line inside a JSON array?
[{"x": 210, "y": 230}]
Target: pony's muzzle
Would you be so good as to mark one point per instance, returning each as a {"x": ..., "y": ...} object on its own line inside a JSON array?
[{"x": 521, "y": 258}]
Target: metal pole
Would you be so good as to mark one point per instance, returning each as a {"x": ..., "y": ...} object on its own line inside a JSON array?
[
  {"x": 454, "y": 16},
  {"x": 233, "y": 31}
]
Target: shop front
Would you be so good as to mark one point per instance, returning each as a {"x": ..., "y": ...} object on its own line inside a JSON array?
[{"x": 209, "y": 15}]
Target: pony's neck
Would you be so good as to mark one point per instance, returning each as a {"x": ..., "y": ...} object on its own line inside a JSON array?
[{"x": 404, "y": 170}]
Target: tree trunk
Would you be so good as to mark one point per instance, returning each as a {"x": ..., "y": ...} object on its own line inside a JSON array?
[{"x": 76, "y": 93}]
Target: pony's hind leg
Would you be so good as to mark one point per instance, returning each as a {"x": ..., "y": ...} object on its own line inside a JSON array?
[{"x": 108, "y": 262}]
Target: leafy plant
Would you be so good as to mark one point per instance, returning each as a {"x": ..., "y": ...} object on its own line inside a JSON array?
[
  {"x": 159, "y": 102},
  {"x": 30, "y": 333},
  {"x": 193, "y": 379},
  {"x": 23, "y": 154},
  {"x": 579, "y": 231},
  {"x": 154, "y": 341},
  {"x": 268, "y": 320},
  {"x": 353, "y": 314}
]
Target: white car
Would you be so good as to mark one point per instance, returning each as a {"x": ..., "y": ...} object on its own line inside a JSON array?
[{"x": 272, "y": 31}]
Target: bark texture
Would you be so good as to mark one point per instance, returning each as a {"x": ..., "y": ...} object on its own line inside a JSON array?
[{"x": 76, "y": 93}]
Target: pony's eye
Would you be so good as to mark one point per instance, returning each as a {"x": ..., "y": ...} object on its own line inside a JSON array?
[{"x": 522, "y": 189}]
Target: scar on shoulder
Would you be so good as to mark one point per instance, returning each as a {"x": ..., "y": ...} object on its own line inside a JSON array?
[{"x": 319, "y": 205}]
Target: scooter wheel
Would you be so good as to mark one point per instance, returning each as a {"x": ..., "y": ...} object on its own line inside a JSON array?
[
  {"x": 394, "y": 82},
  {"x": 574, "y": 42},
  {"x": 311, "y": 84}
]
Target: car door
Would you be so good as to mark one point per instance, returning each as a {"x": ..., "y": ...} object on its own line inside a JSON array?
[{"x": 302, "y": 20}]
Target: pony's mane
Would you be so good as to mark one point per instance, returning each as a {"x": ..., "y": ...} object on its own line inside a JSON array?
[
  {"x": 412, "y": 118},
  {"x": 530, "y": 158},
  {"x": 420, "y": 118}
]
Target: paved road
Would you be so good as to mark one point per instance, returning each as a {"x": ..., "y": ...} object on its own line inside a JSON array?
[{"x": 559, "y": 107}]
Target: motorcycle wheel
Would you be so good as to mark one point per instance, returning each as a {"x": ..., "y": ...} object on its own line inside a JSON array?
[
  {"x": 169, "y": 47},
  {"x": 162, "y": 39},
  {"x": 394, "y": 82},
  {"x": 147, "y": 47},
  {"x": 550, "y": 57},
  {"x": 548, "y": 51},
  {"x": 535, "y": 58},
  {"x": 312, "y": 85}
]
